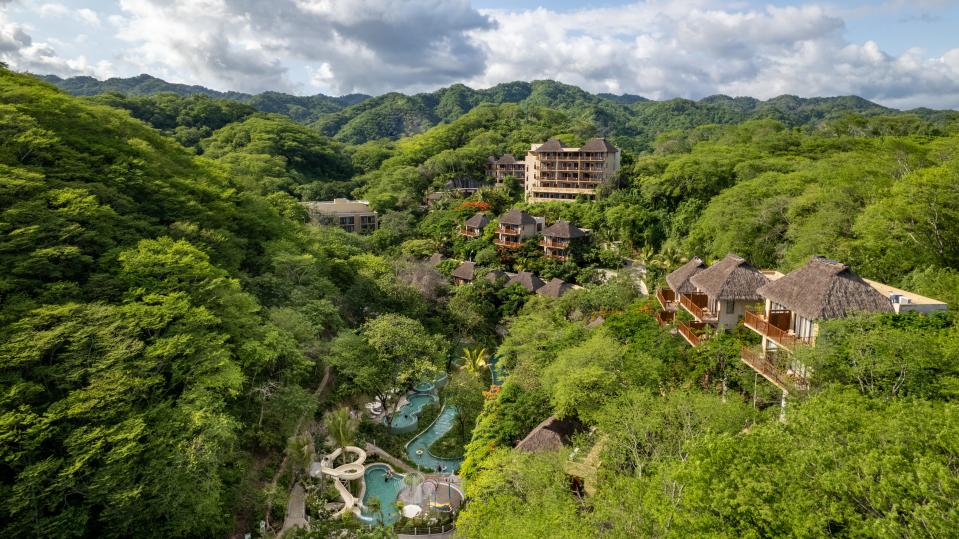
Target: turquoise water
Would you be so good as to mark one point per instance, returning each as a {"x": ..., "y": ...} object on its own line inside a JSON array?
[
  {"x": 408, "y": 415},
  {"x": 387, "y": 490},
  {"x": 428, "y": 386},
  {"x": 426, "y": 461}
]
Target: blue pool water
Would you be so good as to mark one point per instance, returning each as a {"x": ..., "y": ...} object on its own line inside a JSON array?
[
  {"x": 408, "y": 415},
  {"x": 425, "y": 460},
  {"x": 387, "y": 490}
]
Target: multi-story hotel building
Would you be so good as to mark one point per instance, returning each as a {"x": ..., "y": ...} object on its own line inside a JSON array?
[
  {"x": 350, "y": 215},
  {"x": 507, "y": 165},
  {"x": 555, "y": 172}
]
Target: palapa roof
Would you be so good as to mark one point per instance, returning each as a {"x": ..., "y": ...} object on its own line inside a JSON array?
[
  {"x": 527, "y": 280},
  {"x": 495, "y": 275},
  {"x": 598, "y": 145},
  {"x": 678, "y": 280},
  {"x": 825, "y": 289},
  {"x": 550, "y": 435},
  {"x": 478, "y": 220},
  {"x": 564, "y": 229},
  {"x": 465, "y": 271},
  {"x": 551, "y": 145},
  {"x": 506, "y": 159},
  {"x": 517, "y": 217},
  {"x": 732, "y": 278},
  {"x": 555, "y": 288}
]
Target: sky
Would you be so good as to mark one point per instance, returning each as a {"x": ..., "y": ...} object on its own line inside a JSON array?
[{"x": 900, "y": 53}]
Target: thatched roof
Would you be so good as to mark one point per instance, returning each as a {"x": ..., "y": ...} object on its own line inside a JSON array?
[
  {"x": 555, "y": 288},
  {"x": 517, "y": 217},
  {"x": 551, "y": 145},
  {"x": 506, "y": 159},
  {"x": 478, "y": 220},
  {"x": 825, "y": 289},
  {"x": 564, "y": 229},
  {"x": 465, "y": 271},
  {"x": 550, "y": 435},
  {"x": 598, "y": 145},
  {"x": 527, "y": 280},
  {"x": 495, "y": 275},
  {"x": 436, "y": 258},
  {"x": 678, "y": 280},
  {"x": 732, "y": 278}
]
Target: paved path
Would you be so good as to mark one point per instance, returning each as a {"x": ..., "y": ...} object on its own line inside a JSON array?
[
  {"x": 320, "y": 390},
  {"x": 397, "y": 463},
  {"x": 295, "y": 511}
]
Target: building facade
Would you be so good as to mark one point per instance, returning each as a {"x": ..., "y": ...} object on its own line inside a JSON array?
[
  {"x": 498, "y": 169},
  {"x": 558, "y": 173},
  {"x": 516, "y": 226},
  {"x": 350, "y": 215},
  {"x": 558, "y": 239}
]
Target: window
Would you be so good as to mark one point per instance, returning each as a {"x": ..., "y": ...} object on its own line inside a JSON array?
[{"x": 730, "y": 307}]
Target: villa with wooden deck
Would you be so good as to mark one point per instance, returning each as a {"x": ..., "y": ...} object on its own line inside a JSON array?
[
  {"x": 473, "y": 227},
  {"x": 516, "y": 226},
  {"x": 720, "y": 296},
  {"x": 677, "y": 283},
  {"x": 795, "y": 305},
  {"x": 559, "y": 237}
]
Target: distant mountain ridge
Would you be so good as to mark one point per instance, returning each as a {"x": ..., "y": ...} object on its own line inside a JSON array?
[{"x": 358, "y": 118}]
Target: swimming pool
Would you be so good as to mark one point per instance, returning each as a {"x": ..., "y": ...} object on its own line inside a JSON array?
[
  {"x": 386, "y": 489},
  {"x": 418, "y": 449},
  {"x": 407, "y": 417}
]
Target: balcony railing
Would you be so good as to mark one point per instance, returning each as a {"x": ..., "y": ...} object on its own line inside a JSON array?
[
  {"x": 665, "y": 317},
  {"x": 554, "y": 244},
  {"x": 509, "y": 244},
  {"x": 697, "y": 304},
  {"x": 509, "y": 230},
  {"x": 774, "y": 327},
  {"x": 470, "y": 232},
  {"x": 763, "y": 366},
  {"x": 667, "y": 298},
  {"x": 693, "y": 332}
]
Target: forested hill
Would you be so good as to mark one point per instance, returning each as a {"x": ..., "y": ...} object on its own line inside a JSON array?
[{"x": 357, "y": 118}]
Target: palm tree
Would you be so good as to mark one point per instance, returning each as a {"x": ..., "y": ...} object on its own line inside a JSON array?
[
  {"x": 474, "y": 359},
  {"x": 413, "y": 479},
  {"x": 376, "y": 506},
  {"x": 341, "y": 426}
]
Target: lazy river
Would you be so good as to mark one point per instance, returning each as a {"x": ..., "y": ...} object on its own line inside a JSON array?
[{"x": 418, "y": 449}]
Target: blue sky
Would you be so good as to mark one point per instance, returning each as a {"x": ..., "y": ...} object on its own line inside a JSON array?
[{"x": 897, "y": 52}]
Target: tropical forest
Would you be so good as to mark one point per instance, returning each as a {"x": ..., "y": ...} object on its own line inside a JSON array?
[{"x": 748, "y": 328}]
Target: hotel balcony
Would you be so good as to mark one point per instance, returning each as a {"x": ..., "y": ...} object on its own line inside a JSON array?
[
  {"x": 697, "y": 304},
  {"x": 554, "y": 244},
  {"x": 508, "y": 241},
  {"x": 693, "y": 332},
  {"x": 665, "y": 317},
  {"x": 775, "y": 327},
  {"x": 667, "y": 299},
  {"x": 470, "y": 232},
  {"x": 770, "y": 367}
]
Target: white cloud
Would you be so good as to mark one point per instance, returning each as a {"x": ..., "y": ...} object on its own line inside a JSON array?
[
  {"x": 699, "y": 48},
  {"x": 23, "y": 53},
  {"x": 371, "y": 45},
  {"x": 52, "y": 9},
  {"x": 656, "y": 48}
]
